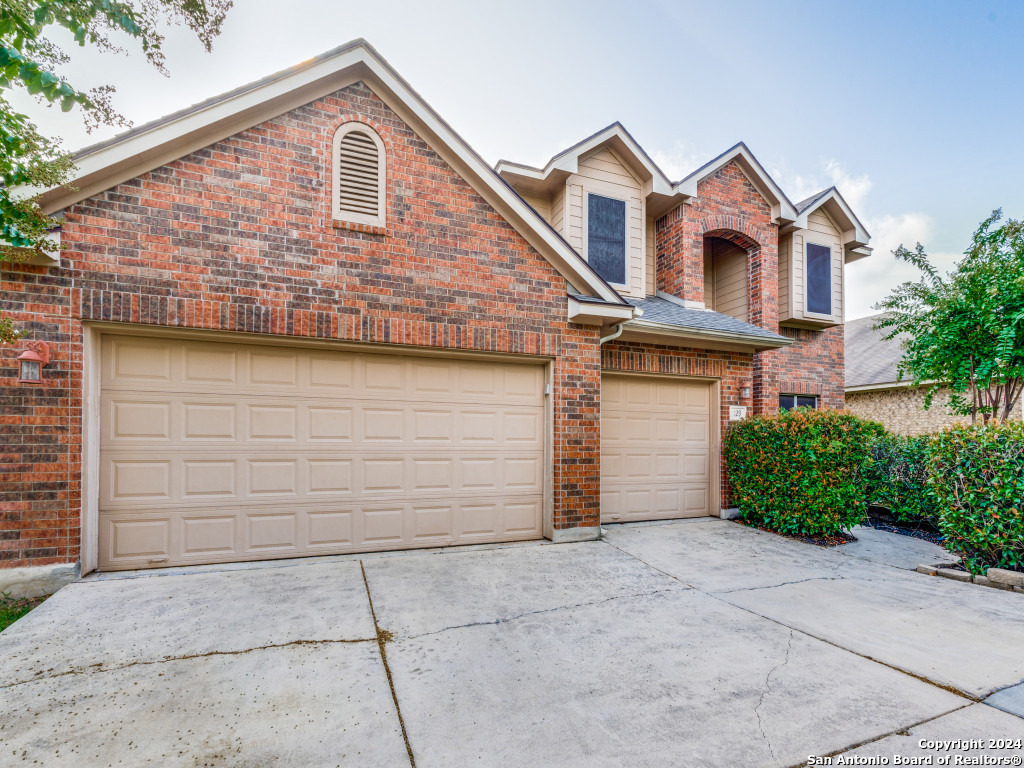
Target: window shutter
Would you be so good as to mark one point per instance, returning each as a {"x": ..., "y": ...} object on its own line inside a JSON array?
[{"x": 358, "y": 176}]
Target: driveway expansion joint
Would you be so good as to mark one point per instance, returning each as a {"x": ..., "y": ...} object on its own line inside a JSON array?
[
  {"x": 718, "y": 596},
  {"x": 383, "y": 638},
  {"x": 901, "y": 731}
]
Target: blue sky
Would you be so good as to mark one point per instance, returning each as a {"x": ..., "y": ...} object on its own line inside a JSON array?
[{"x": 913, "y": 109}]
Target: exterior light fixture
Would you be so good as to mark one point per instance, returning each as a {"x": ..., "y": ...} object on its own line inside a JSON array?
[
  {"x": 31, "y": 362},
  {"x": 745, "y": 392}
]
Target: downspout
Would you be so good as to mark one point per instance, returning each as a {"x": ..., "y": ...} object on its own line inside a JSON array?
[
  {"x": 604, "y": 340},
  {"x": 637, "y": 312},
  {"x": 612, "y": 336}
]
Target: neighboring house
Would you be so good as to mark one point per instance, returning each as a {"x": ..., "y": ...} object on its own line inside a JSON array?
[
  {"x": 874, "y": 389},
  {"x": 306, "y": 318}
]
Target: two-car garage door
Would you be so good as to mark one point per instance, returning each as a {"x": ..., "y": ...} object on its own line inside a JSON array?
[{"x": 215, "y": 452}]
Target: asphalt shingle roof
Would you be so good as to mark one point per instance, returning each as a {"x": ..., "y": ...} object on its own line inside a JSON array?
[
  {"x": 808, "y": 200},
  {"x": 659, "y": 310},
  {"x": 870, "y": 358}
]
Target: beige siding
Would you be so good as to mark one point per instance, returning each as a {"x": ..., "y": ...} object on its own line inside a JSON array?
[
  {"x": 558, "y": 212},
  {"x": 792, "y": 298},
  {"x": 785, "y": 267},
  {"x": 574, "y": 215},
  {"x": 651, "y": 267},
  {"x": 823, "y": 231},
  {"x": 726, "y": 285},
  {"x": 540, "y": 204},
  {"x": 797, "y": 296},
  {"x": 604, "y": 174},
  {"x": 731, "y": 285}
]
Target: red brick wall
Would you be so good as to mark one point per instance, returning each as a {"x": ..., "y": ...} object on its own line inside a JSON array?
[
  {"x": 728, "y": 206},
  {"x": 814, "y": 365},
  {"x": 238, "y": 237},
  {"x": 40, "y": 450},
  {"x": 734, "y": 369}
]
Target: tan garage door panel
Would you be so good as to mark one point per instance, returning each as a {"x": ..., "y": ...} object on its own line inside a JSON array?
[
  {"x": 213, "y": 452},
  {"x": 656, "y": 448}
]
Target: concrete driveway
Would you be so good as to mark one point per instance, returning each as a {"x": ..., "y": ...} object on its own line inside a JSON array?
[{"x": 699, "y": 643}]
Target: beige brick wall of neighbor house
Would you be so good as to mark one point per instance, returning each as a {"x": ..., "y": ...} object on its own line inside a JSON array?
[{"x": 902, "y": 410}]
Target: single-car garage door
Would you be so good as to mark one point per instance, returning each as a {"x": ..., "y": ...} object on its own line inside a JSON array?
[
  {"x": 215, "y": 452},
  {"x": 656, "y": 448}
]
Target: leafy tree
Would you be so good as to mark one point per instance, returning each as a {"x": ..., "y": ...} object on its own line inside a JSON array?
[
  {"x": 966, "y": 330},
  {"x": 30, "y": 61}
]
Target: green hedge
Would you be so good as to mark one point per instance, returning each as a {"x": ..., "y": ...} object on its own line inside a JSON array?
[
  {"x": 801, "y": 472},
  {"x": 976, "y": 475},
  {"x": 897, "y": 476}
]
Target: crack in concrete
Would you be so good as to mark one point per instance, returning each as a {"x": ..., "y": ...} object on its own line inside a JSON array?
[
  {"x": 768, "y": 689},
  {"x": 506, "y": 619},
  {"x": 718, "y": 596},
  {"x": 901, "y": 731},
  {"x": 773, "y": 586},
  {"x": 100, "y": 667},
  {"x": 383, "y": 638}
]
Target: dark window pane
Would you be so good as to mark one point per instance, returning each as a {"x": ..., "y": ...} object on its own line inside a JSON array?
[
  {"x": 806, "y": 401},
  {"x": 819, "y": 279},
  {"x": 786, "y": 402},
  {"x": 606, "y": 237}
]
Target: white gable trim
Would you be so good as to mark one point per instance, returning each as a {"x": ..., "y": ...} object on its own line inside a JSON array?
[
  {"x": 567, "y": 162},
  {"x": 105, "y": 165},
  {"x": 855, "y": 236}
]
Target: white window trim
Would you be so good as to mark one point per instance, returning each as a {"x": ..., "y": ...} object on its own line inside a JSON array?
[
  {"x": 625, "y": 234},
  {"x": 807, "y": 282},
  {"x": 380, "y": 220}
]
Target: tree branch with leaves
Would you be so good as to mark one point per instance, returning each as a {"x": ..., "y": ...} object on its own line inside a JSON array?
[
  {"x": 965, "y": 330},
  {"x": 31, "y": 62}
]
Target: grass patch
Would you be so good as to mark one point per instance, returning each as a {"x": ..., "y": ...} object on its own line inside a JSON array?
[{"x": 13, "y": 608}]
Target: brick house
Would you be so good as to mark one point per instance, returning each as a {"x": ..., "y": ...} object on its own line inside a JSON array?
[
  {"x": 875, "y": 391},
  {"x": 306, "y": 318}
]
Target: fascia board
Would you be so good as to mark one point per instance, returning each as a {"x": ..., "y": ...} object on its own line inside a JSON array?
[
  {"x": 591, "y": 313},
  {"x": 486, "y": 181},
  {"x": 121, "y": 160},
  {"x": 697, "y": 334}
]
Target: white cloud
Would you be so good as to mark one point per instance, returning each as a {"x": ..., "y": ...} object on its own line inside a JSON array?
[
  {"x": 680, "y": 161},
  {"x": 854, "y": 189},
  {"x": 870, "y": 280}
]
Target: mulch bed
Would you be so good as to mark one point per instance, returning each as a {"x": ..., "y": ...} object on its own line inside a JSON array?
[
  {"x": 819, "y": 541},
  {"x": 882, "y": 522}
]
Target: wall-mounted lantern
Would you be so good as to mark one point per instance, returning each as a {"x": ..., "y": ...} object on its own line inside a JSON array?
[
  {"x": 744, "y": 392},
  {"x": 31, "y": 362}
]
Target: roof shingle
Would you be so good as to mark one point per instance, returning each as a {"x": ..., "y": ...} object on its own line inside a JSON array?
[
  {"x": 870, "y": 358},
  {"x": 658, "y": 310}
]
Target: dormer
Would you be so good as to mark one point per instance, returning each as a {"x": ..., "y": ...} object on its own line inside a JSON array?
[
  {"x": 602, "y": 196},
  {"x": 813, "y": 253}
]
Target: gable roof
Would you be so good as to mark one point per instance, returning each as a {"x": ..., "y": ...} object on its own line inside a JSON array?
[
  {"x": 871, "y": 359},
  {"x": 783, "y": 211},
  {"x": 104, "y": 165},
  {"x": 855, "y": 235},
  {"x": 703, "y": 323},
  {"x": 567, "y": 162}
]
